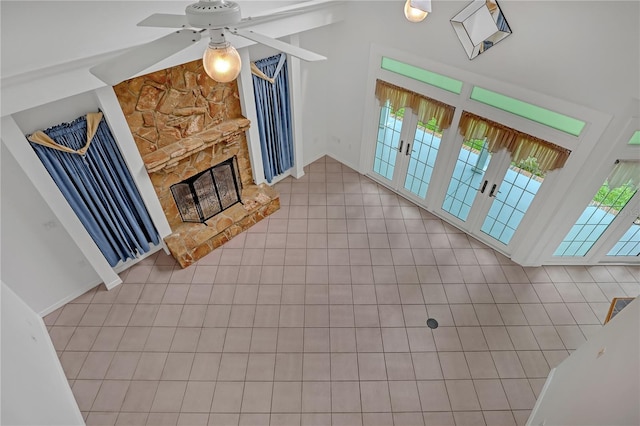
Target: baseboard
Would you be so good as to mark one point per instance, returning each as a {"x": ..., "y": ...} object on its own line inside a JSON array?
[
  {"x": 153, "y": 248},
  {"x": 280, "y": 177},
  {"x": 117, "y": 269},
  {"x": 355, "y": 167},
  {"x": 316, "y": 158},
  {"x": 69, "y": 298}
]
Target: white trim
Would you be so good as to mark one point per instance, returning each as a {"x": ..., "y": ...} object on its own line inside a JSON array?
[
  {"x": 248, "y": 106},
  {"x": 114, "y": 116},
  {"x": 615, "y": 231},
  {"x": 295, "y": 99}
]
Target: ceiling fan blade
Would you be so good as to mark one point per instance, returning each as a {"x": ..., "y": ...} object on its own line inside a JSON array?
[
  {"x": 165, "y": 20},
  {"x": 296, "y": 51},
  {"x": 139, "y": 58}
]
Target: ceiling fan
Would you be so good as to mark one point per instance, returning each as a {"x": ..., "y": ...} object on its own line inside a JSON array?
[{"x": 221, "y": 60}]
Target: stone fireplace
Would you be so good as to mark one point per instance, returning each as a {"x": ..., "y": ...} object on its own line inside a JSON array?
[{"x": 184, "y": 124}]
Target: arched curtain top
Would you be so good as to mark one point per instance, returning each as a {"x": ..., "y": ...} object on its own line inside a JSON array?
[
  {"x": 426, "y": 108},
  {"x": 625, "y": 172},
  {"x": 93, "y": 120},
  {"x": 520, "y": 145}
]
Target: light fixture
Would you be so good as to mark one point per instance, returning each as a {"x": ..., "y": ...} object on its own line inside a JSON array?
[
  {"x": 221, "y": 60},
  {"x": 417, "y": 10}
]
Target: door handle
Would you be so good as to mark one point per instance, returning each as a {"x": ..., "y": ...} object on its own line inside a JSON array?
[
  {"x": 408, "y": 149},
  {"x": 400, "y": 148},
  {"x": 493, "y": 190},
  {"x": 484, "y": 186}
]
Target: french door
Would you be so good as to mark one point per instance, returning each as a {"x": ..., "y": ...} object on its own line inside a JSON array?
[
  {"x": 487, "y": 194},
  {"x": 483, "y": 193},
  {"x": 405, "y": 153}
]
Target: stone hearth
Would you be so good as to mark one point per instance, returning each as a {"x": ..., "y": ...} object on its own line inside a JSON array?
[{"x": 183, "y": 123}]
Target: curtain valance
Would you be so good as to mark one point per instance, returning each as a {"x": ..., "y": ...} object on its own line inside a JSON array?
[
  {"x": 520, "y": 145},
  {"x": 93, "y": 120},
  {"x": 426, "y": 108}
]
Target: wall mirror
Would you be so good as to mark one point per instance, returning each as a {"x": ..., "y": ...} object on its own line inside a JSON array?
[{"x": 479, "y": 26}]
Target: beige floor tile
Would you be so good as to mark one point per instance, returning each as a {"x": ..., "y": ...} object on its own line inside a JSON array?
[
  {"x": 433, "y": 395},
  {"x": 205, "y": 366},
  {"x": 256, "y": 397},
  {"x": 344, "y": 366},
  {"x": 111, "y": 395},
  {"x": 399, "y": 366},
  {"x": 227, "y": 397},
  {"x": 287, "y": 397},
  {"x": 404, "y": 396},
  {"x": 345, "y": 397},
  {"x": 316, "y": 397},
  {"x": 198, "y": 397},
  {"x": 462, "y": 395}
]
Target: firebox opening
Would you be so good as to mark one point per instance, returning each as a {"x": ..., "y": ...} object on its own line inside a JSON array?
[{"x": 208, "y": 193}]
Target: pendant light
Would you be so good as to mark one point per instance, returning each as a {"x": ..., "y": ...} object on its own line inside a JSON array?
[
  {"x": 417, "y": 10},
  {"x": 221, "y": 60}
]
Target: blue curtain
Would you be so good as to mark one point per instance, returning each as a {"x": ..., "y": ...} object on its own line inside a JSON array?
[
  {"x": 274, "y": 116},
  {"x": 100, "y": 190}
]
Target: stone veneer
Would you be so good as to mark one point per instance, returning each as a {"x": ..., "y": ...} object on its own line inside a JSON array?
[{"x": 183, "y": 123}]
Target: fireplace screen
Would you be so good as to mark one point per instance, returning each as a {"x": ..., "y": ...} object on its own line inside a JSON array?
[{"x": 206, "y": 194}]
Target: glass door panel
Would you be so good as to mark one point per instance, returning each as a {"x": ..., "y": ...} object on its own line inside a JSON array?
[
  {"x": 490, "y": 193},
  {"x": 629, "y": 244},
  {"x": 426, "y": 143},
  {"x": 595, "y": 219},
  {"x": 467, "y": 178},
  {"x": 406, "y": 152},
  {"x": 520, "y": 185},
  {"x": 388, "y": 141}
]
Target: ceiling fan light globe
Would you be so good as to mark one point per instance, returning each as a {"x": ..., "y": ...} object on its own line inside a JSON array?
[
  {"x": 222, "y": 63},
  {"x": 414, "y": 14}
]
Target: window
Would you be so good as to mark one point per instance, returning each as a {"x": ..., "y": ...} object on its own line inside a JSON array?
[
  {"x": 610, "y": 199},
  {"x": 529, "y": 111},
  {"x": 420, "y": 74}
]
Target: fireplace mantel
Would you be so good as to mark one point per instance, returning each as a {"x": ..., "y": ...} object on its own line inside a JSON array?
[{"x": 168, "y": 157}]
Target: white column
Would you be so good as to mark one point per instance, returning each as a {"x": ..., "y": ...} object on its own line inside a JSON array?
[
  {"x": 27, "y": 159},
  {"x": 295, "y": 87},
  {"x": 248, "y": 104},
  {"x": 122, "y": 134}
]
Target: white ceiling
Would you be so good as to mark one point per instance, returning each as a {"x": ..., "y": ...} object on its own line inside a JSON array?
[{"x": 41, "y": 34}]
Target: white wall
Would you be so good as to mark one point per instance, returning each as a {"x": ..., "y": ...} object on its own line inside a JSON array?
[
  {"x": 582, "y": 52},
  {"x": 40, "y": 261},
  {"x": 599, "y": 383},
  {"x": 35, "y": 390}
]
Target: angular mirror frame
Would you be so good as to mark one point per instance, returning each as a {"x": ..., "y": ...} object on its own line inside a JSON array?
[{"x": 479, "y": 26}]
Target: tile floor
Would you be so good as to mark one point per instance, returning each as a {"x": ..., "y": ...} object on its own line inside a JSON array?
[{"x": 316, "y": 316}]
